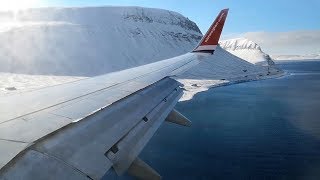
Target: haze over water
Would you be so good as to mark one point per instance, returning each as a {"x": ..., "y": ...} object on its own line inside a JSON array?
[{"x": 257, "y": 130}]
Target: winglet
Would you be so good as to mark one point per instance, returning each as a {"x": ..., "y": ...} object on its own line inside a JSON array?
[{"x": 210, "y": 40}]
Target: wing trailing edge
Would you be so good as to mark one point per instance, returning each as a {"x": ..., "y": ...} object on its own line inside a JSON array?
[{"x": 210, "y": 40}]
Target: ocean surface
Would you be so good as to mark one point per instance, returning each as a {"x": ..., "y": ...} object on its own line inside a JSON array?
[{"x": 266, "y": 129}]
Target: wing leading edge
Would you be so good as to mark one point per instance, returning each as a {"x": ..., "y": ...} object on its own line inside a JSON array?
[{"x": 81, "y": 130}]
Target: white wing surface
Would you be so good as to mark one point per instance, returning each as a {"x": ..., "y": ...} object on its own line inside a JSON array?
[{"x": 82, "y": 129}]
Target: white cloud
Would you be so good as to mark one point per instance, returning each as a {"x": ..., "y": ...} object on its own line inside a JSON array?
[{"x": 283, "y": 43}]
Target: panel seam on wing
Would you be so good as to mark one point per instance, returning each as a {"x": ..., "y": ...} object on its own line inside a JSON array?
[
  {"x": 60, "y": 160},
  {"x": 98, "y": 90}
]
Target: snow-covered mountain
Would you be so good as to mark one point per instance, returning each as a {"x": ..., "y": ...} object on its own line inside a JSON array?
[
  {"x": 222, "y": 68},
  {"x": 92, "y": 40},
  {"x": 247, "y": 50},
  {"x": 49, "y": 46}
]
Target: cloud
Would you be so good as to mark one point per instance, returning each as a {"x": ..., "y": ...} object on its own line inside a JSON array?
[{"x": 285, "y": 43}]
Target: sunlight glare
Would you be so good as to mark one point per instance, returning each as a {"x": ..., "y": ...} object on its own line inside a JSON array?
[{"x": 15, "y": 5}]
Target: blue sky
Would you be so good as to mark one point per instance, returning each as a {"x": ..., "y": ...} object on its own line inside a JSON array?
[
  {"x": 244, "y": 16},
  {"x": 278, "y": 26}
]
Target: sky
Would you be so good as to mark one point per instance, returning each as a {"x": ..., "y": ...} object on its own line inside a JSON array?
[{"x": 245, "y": 16}]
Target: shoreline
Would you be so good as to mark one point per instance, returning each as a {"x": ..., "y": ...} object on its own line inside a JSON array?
[
  {"x": 190, "y": 93},
  {"x": 295, "y": 60}
]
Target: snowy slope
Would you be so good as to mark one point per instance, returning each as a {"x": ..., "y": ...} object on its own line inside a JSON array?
[
  {"x": 235, "y": 60},
  {"x": 247, "y": 50},
  {"x": 93, "y": 40},
  {"x": 14, "y": 83},
  {"x": 219, "y": 69},
  {"x": 44, "y": 47}
]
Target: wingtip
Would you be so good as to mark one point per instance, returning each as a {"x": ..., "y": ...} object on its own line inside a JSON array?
[
  {"x": 225, "y": 10},
  {"x": 210, "y": 40}
]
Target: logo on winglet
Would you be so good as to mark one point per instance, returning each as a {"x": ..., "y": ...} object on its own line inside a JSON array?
[{"x": 214, "y": 27}]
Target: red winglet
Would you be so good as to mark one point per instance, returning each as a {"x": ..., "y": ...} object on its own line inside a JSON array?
[{"x": 210, "y": 40}]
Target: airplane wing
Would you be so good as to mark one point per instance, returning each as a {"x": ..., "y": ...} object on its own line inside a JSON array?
[{"x": 82, "y": 129}]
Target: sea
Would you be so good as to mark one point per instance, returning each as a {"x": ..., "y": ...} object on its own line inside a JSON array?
[{"x": 268, "y": 129}]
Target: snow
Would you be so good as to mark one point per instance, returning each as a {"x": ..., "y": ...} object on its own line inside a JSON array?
[
  {"x": 245, "y": 49},
  {"x": 93, "y": 40},
  {"x": 194, "y": 86},
  {"x": 50, "y": 46},
  {"x": 17, "y": 83},
  {"x": 220, "y": 69}
]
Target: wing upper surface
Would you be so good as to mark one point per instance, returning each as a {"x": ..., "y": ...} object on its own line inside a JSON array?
[
  {"x": 18, "y": 105},
  {"x": 27, "y": 117},
  {"x": 80, "y": 129}
]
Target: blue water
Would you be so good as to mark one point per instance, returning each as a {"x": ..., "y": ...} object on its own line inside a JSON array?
[{"x": 256, "y": 130}]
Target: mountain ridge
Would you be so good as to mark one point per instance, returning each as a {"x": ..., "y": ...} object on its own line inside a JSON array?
[
  {"x": 247, "y": 50},
  {"x": 77, "y": 42},
  {"x": 45, "y": 47}
]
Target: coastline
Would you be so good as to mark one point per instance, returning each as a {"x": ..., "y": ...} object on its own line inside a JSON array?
[
  {"x": 295, "y": 60},
  {"x": 193, "y": 87}
]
